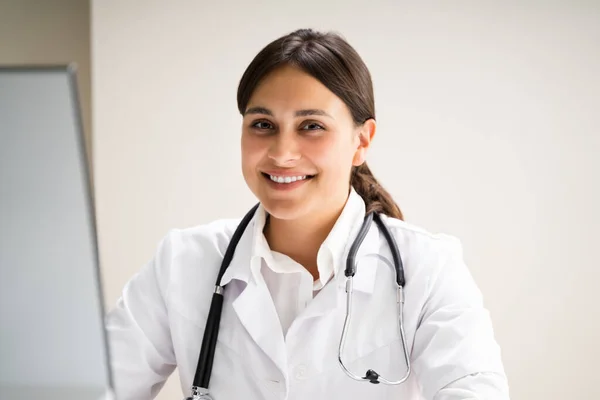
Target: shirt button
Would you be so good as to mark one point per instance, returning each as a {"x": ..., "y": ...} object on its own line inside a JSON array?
[{"x": 301, "y": 372}]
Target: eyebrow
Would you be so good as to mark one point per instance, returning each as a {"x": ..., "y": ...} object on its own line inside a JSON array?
[{"x": 299, "y": 113}]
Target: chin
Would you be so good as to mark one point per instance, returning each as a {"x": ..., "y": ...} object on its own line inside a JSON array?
[{"x": 286, "y": 209}]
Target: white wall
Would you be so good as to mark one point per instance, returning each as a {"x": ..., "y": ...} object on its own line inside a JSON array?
[
  {"x": 488, "y": 129},
  {"x": 34, "y": 32}
]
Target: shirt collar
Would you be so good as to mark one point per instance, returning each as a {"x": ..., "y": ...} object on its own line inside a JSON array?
[{"x": 331, "y": 256}]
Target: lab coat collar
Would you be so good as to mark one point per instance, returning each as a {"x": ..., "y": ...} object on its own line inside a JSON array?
[
  {"x": 239, "y": 268},
  {"x": 338, "y": 242},
  {"x": 246, "y": 262}
]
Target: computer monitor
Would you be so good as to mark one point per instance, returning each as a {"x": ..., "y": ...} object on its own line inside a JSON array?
[{"x": 52, "y": 337}]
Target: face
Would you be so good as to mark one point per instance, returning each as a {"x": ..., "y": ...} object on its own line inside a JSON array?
[{"x": 299, "y": 143}]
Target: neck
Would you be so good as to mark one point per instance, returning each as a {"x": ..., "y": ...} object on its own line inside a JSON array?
[{"x": 301, "y": 239}]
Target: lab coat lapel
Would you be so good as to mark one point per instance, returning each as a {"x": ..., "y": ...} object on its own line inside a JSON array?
[
  {"x": 328, "y": 299},
  {"x": 257, "y": 313},
  {"x": 254, "y": 306}
]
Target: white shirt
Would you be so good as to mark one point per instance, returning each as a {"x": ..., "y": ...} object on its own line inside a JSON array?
[
  {"x": 278, "y": 342},
  {"x": 290, "y": 284}
]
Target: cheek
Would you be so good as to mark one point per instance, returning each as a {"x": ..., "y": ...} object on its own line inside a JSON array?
[
  {"x": 252, "y": 152},
  {"x": 333, "y": 157}
]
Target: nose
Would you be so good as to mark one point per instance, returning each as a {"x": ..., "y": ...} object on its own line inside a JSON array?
[{"x": 284, "y": 150}]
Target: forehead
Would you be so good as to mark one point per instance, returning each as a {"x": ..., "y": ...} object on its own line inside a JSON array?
[{"x": 288, "y": 89}]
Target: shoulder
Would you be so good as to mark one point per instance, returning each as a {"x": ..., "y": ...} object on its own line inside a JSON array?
[
  {"x": 425, "y": 254},
  {"x": 214, "y": 235},
  {"x": 418, "y": 239},
  {"x": 435, "y": 269},
  {"x": 187, "y": 261}
]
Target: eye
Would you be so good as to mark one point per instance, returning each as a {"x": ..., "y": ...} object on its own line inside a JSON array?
[
  {"x": 262, "y": 125},
  {"x": 313, "y": 126}
]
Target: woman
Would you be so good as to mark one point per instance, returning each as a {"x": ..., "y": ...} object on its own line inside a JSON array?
[{"x": 308, "y": 121}]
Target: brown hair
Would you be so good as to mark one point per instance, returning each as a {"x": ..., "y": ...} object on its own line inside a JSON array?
[{"x": 330, "y": 59}]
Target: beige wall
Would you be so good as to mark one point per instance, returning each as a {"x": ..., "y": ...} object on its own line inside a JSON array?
[
  {"x": 488, "y": 130},
  {"x": 52, "y": 32}
]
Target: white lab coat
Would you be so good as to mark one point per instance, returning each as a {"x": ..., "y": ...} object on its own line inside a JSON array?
[{"x": 159, "y": 322}]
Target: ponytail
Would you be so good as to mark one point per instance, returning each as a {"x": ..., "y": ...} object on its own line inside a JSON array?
[{"x": 376, "y": 198}]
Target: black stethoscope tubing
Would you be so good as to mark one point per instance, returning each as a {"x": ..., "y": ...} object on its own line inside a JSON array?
[{"x": 211, "y": 332}]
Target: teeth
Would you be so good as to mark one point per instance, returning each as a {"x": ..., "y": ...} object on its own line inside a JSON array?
[{"x": 286, "y": 179}]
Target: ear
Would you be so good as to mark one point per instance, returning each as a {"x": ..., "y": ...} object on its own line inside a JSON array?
[{"x": 366, "y": 132}]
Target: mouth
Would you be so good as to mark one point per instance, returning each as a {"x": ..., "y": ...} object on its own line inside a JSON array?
[
  {"x": 288, "y": 179},
  {"x": 286, "y": 183}
]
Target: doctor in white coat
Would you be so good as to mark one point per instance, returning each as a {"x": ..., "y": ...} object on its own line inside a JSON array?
[{"x": 308, "y": 120}]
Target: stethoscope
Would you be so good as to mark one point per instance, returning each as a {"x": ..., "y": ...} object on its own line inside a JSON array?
[{"x": 209, "y": 341}]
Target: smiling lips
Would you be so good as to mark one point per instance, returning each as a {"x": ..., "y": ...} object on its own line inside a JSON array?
[{"x": 286, "y": 180}]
